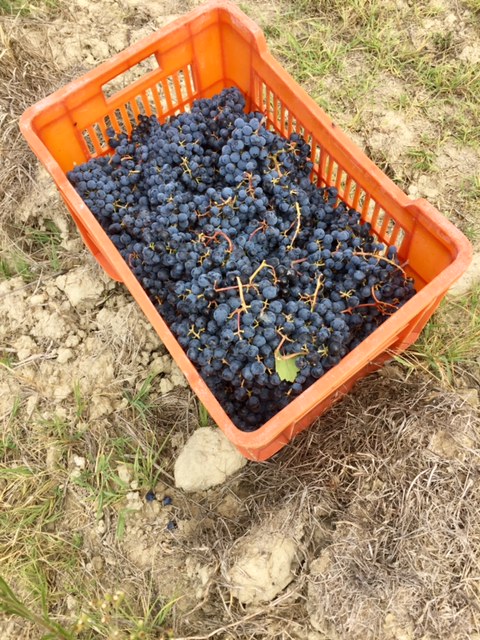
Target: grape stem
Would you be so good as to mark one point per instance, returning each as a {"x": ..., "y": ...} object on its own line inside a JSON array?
[
  {"x": 379, "y": 304},
  {"x": 240, "y": 293},
  {"x": 217, "y": 233},
  {"x": 280, "y": 356},
  {"x": 239, "y": 330},
  {"x": 263, "y": 265},
  {"x": 315, "y": 293},
  {"x": 297, "y": 229},
  {"x": 364, "y": 254},
  {"x": 299, "y": 261},
  {"x": 263, "y": 227}
]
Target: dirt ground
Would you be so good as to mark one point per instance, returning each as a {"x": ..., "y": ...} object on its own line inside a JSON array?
[{"x": 365, "y": 527}]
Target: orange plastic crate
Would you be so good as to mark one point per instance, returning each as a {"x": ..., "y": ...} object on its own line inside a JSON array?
[{"x": 214, "y": 47}]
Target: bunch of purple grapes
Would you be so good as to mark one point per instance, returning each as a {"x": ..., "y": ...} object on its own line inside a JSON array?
[{"x": 248, "y": 262}]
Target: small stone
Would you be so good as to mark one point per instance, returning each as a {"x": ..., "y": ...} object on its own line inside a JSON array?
[
  {"x": 134, "y": 485},
  {"x": 53, "y": 456},
  {"x": 31, "y": 405},
  {"x": 134, "y": 501},
  {"x": 396, "y": 628},
  {"x": 73, "y": 340},
  {"x": 79, "y": 461},
  {"x": 470, "y": 396},
  {"x": 177, "y": 377},
  {"x": 100, "y": 406},
  {"x": 25, "y": 347},
  {"x": 450, "y": 446},
  {"x": 206, "y": 460},
  {"x": 230, "y": 506},
  {"x": 124, "y": 473},
  {"x": 470, "y": 54},
  {"x": 154, "y": 508},
  {"x": 76, "y": 473},
  {"x": 38, "y": 299},
  {"x": 101, "y": 527},
  {"x": 166, "y": 386},
  {"x": 64, "y": 355},
  {"x": 427, "y": 187},
  {"x": 82, "y": 287},
  {"x": 161, "y": 364},
  {"x": 97, "y": 563},
  {"x": 265, "y": 568}
]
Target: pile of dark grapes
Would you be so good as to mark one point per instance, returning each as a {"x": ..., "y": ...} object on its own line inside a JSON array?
[{"x": 248, "y": 262}]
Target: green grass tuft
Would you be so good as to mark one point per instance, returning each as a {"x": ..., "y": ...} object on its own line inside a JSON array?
[
  {"x": 26, "y": 7},
  {"x": 450, "y": 343},
  {"x": 16, "y": 264},
  {"x": 203, "y": 416},
  {"x": 140, "y": 400}
]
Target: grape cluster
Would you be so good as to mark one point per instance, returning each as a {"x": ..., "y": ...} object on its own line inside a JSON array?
[{"x": 249, "y": 263}]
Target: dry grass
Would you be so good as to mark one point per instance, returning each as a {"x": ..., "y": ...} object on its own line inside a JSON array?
[
  {"x": 407, "y": 540},
  {"x": 449, "y": 346},
  {"x": 27, "y": 72},
  {"x": 386, "y": 490}
]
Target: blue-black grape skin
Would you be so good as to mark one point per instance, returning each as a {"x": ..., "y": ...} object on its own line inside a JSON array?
[{"x": 241, "y": 254}]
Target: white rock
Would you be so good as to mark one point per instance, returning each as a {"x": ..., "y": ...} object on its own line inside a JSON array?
[
  {"x": 64, "y": 355},
  {"x": 81, "y": 286},
  {"x": 134, "y": 502},
  {"x": 471, "y": 396},
  {"x": 470, "y": 54},
  {"x": 72, "y": 340},
  {"x": 79, "y": 461},
  {"x": 161, "y": 364},
  {"x": 25, "y": 347},
  {"x": 52, "y": 457},
  {"x": 469, "y": 278},
  {"x": 38, "y": 299},
  {"x": 392, "y": 137},
  {"x": 31, "y": 405},
  {"x": 76, "y": 473},
  {"x": 206, "y": 460},
  {"x": 177, "y": 377},
  {"x": 124, "y": 473},
  {"x": 450, "y": 446},
  {"x": 265, "y": 568},
  {"x": 49, "y": 324},
  {"x": 166, "y": 385},
  {"x": 427, "y": 187},
  {"x": 450, "y": 20},
  {"x": 100, "y": 406}
]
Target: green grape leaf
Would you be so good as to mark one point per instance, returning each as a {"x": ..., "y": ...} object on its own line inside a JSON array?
[{"x": 286, "y": 368}]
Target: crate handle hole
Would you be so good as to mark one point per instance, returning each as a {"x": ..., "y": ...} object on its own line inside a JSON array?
[{"x": 126, "y": 78}]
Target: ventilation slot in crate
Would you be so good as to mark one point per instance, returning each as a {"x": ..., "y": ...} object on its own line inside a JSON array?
[
  {"x": 279, "y": 118},
  {"x": 171, "y": 95}
]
